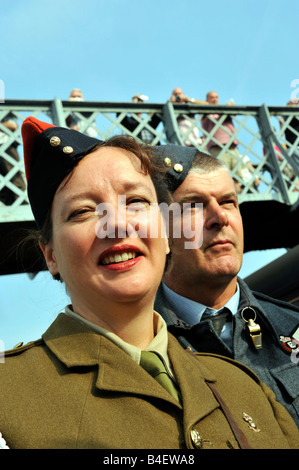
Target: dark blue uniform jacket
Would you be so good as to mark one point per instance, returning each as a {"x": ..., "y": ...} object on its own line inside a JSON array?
[{"x": 277, "y": 363}]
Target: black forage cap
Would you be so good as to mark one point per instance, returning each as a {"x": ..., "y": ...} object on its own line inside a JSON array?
[
  {"x": 50, "y": 154},
  {"x": 178, "y": 159}
]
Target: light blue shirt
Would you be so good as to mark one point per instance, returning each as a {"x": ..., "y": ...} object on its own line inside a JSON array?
[{"x": 191, "y": 312}]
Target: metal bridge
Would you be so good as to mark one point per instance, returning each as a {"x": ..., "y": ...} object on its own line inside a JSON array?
[{"x": 268, "y": 145}]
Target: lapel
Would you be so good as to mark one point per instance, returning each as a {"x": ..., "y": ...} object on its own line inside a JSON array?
[
  {"x": 198, "y": 400},
  {"x": 247, "y": 298},
  {"x": 74, "y": 344}
]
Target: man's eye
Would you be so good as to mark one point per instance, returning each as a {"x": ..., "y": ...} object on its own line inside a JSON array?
[
  {"x": 191, "y": 205},
  {"x": 228, "y": 202},
  {"x": 137, "y": 205}
]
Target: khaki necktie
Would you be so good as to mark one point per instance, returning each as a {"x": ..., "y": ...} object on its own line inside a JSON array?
[{"x": 152, "y": 363}]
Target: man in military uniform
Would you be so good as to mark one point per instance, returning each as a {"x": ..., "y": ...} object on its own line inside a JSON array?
[{"x": 257, "y": 330}]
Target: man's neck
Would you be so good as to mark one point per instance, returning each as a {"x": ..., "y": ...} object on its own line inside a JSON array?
[{"x": 214, "y": 294}]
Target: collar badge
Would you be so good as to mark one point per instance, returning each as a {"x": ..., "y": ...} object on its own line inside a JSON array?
[{"x": 250, "y": 422}]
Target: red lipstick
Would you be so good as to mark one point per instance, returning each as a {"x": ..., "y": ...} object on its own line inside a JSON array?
[{"x": 109, "y": 260}]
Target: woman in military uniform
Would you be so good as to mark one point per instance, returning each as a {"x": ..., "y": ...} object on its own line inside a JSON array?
[{"x": 106, "y": 374}]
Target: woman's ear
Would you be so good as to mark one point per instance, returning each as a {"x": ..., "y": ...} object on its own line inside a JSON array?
[{"x": 49, "y": 256}]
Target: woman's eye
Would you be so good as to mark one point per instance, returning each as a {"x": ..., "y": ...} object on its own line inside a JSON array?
[{"x": 79, "y": 213}]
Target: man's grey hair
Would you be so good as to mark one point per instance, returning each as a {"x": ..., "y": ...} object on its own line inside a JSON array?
[{"x": 205, "y": 163}]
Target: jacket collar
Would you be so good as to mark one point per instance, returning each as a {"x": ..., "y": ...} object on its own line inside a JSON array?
[
  {"x": 163, "y": 307},
  {"x": 75, "y": 345},
  {"x": 247, "y": 298},
  {"x": 72, "y": 343}
]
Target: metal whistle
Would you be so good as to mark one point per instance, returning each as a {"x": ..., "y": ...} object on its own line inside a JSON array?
[
  {"x": 255, "y": 333},
  {"x": 254, "y": 329}
]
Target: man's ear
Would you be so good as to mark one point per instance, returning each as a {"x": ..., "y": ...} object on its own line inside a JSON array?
[
  {"x": 167, "y": 246},
  {"x": 50, "y": 258},
  {"x": 164, "y": 235}
]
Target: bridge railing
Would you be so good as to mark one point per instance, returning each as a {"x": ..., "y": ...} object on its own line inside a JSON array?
[
  {"x": 263, "y": 149},
  {"x": 268, "y": 141}
]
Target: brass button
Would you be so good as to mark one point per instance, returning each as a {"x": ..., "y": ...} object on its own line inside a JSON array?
[
  {"x": 196, "y": 439},
  {"x": 178, "y": 167},
  {"x": 167, "y": 161},
  {"x": 68, "y": 149},
  {"x": 55, "y": 141}
]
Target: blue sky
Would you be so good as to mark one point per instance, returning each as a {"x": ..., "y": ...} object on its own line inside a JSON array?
[{"x": 244, "y": 49}]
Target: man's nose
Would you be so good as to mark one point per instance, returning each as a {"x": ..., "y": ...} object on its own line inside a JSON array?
[{"x": 216, "y": 216}]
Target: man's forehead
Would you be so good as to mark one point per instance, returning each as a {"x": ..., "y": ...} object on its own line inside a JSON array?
[{"x": 202, "y": 182}]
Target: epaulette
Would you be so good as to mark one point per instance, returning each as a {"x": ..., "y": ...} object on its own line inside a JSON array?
[
  {"x": 282, "y": 303},
  {"x": 233, "y": 362},
  {"x": 20, "y": 347}
]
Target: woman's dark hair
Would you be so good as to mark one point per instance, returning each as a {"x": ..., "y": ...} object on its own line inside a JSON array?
[{"x": 150, "y": 165}]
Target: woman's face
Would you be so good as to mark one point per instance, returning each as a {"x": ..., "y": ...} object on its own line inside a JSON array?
[{"x": 97, "y": 265}]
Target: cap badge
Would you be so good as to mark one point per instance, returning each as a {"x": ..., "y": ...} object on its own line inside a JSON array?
[
  {"x": 55, "y": 141},
  {"x": 178, "y": 168},
  {"x": 67, "y": 149},
  {"x": 167, "y": 161}
]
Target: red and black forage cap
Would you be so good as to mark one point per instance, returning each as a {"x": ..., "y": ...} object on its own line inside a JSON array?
[{"x": 50, "y": 154}]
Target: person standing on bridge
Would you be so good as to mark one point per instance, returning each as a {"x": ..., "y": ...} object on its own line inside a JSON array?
[{"x": 223, "y": 137}]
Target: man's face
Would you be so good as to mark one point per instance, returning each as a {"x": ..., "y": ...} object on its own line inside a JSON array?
[
  {"x": 212, "y": 98},
  {"x": 220, "y": 256},
  {"x": 177, "y": 91},
  {"x": 76, "y": 95}
]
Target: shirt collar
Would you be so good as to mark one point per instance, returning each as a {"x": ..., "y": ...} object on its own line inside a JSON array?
[
  {"x": 190, "y": 311},
  {"x": 159, "y": 344}
]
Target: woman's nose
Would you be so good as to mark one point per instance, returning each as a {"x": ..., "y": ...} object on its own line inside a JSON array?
[
  {"x": 116, "y": 221},
  {"x": 112, "y": 221}
]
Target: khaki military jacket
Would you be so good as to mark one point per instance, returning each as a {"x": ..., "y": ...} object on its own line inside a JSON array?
[{"x": 76, "y": 389}]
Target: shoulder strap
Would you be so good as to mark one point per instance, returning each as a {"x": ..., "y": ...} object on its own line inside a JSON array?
[
  {"x": 238, "y": 433},
  {"x": 19, "y": 348}
]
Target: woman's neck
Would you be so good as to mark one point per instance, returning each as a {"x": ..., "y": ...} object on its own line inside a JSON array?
[{"x": 132, "y": 322}]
